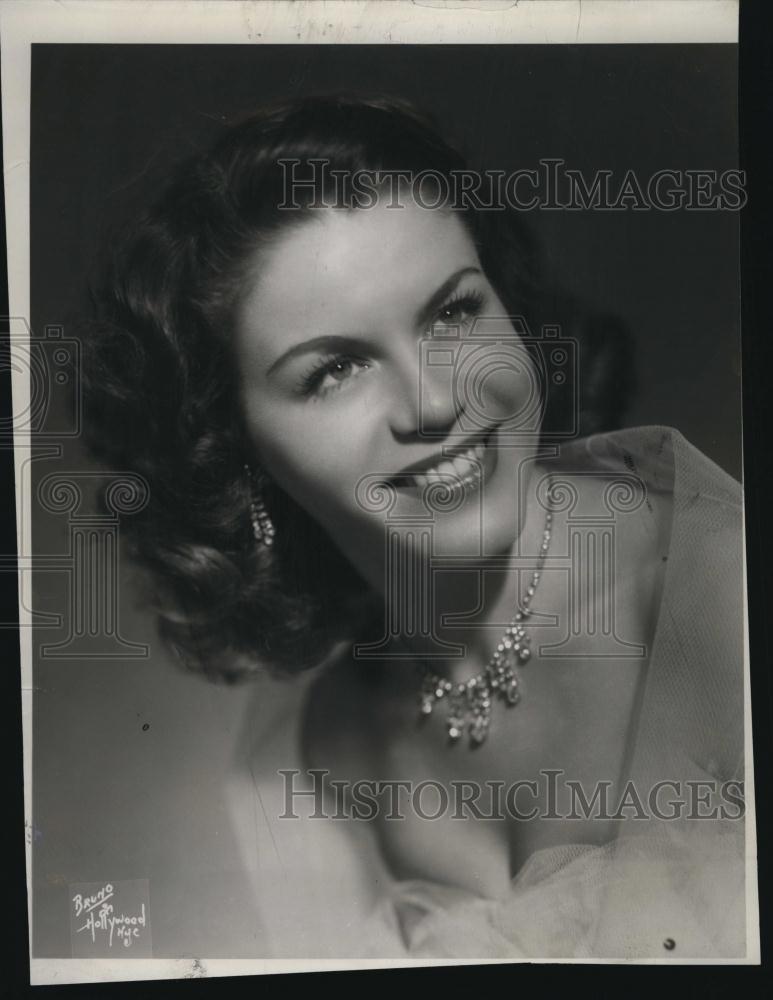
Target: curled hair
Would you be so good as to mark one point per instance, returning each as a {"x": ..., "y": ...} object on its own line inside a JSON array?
[{"x": 161, "y": 389}]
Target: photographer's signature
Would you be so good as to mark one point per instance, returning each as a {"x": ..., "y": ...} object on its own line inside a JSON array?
[{"x": 99, "y": 918}]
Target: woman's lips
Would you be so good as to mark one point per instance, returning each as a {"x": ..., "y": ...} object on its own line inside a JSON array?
[{"x": 464, "y": 473}]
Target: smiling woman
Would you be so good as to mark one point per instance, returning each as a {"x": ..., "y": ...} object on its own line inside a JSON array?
[
  {"x": 371, "y": 284},
  {"x": 363, "y": 469},
  {"x": 203, "y": 311}
]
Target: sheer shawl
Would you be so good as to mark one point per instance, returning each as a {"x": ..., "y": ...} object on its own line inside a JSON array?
[{"x": 664, "y": 888}]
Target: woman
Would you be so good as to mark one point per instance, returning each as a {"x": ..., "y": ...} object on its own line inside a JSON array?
[{"x": 363, "y": 473}]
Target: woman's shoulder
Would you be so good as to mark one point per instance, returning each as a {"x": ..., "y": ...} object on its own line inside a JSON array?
[
  {"x": 660, "y": 455},
  {"x": 620, "y": 482},
  {"x": 698, "y": 505},
  {"x": 677, "y": 493},
  {"x": 706, "y": 502}
]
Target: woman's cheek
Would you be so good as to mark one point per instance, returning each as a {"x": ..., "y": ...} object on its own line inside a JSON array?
[
  {"x": 318, "y": 450},
  {"x": 512, "y": 387},
  {"x": 320, "y": 463}
]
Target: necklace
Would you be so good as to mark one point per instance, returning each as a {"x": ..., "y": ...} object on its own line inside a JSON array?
[{"x": 470, "y": 702}]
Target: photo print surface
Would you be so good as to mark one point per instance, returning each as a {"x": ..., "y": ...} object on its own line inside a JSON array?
[{"x": 380, "y": 447}]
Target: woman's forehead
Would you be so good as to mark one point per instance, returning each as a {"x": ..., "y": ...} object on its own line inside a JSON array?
[{"x": 354, "y": 258}]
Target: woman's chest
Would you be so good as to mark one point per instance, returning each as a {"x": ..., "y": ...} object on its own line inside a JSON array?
[{"x": 551, "y": 772}]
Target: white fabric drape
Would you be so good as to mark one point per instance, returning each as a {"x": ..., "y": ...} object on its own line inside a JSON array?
[{"x": 664, "y": 889}]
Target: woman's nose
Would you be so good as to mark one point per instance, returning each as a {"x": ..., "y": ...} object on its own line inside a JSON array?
[{"x": 425, "y": 397}]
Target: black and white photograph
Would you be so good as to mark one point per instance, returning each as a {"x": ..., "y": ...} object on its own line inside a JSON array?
[{"x": 377, "y": 428}]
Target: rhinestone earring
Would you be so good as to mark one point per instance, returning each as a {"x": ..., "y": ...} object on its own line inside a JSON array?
[{"x": 262, "y": 526}]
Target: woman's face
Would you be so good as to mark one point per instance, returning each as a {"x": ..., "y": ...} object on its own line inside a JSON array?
[{"x": 368, "y": 342}]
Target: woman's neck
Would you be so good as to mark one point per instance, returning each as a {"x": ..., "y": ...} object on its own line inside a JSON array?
[{"x": 482, "y": 594}]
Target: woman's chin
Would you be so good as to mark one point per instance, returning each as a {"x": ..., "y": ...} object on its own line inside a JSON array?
[{"x": 474, "y": 530}]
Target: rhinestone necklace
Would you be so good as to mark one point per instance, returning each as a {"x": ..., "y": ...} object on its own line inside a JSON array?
[{"x": 470, "y": 702}]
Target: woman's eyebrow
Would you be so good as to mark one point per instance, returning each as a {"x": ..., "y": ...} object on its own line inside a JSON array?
[
  {"x": 333, "y": 342},
  {"x": 438, "y": 297},
  {"x": 328, "y": 342}
]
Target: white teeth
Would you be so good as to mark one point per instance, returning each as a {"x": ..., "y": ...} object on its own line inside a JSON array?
[
  {"x": 465, "y": 466},
  {"x": 445, "y": 469}
]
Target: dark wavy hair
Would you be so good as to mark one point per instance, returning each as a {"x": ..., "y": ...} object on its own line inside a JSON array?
[{"x": 160, "y": 384}]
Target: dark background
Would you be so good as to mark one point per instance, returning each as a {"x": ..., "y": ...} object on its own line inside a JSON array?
[
  {"x": 125, "y": 753},
  {"x": 108, "y": 120}
]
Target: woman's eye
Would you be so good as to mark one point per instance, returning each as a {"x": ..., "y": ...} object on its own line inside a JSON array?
[
  {"x": 331, "y": 375},
  {"x": 339, "y": 370},
  {"x": 460, "y": 309}
]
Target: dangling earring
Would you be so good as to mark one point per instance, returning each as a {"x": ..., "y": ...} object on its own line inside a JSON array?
[{"x": 262, "y": 526}]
